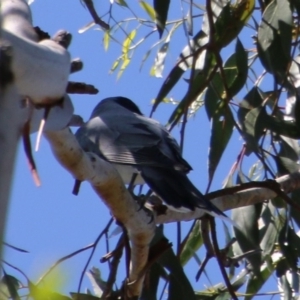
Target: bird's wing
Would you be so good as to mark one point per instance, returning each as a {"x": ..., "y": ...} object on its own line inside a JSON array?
[
  {"x": 177, "y": 190},
  {"x": 132, "y": 139}
]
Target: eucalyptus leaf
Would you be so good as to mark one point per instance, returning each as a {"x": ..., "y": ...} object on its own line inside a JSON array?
[
  {"x": 256, "y": 282},
  {"x": 149, "y": 291},
  {"x": 161, "y": 8},
  {"x": 247, "y": 234},
  {"x": 192, "y": 243},
  {"x": 275, "y": 36}
]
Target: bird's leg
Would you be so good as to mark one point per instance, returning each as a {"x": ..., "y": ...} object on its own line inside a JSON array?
[
  {"x": 143, "y": 199},
  {"x": 140, "y": 199},
  {"x": 131, "y": 183}
]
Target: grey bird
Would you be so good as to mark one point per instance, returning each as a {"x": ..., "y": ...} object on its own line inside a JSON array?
[{"x": 118, "y": 132}]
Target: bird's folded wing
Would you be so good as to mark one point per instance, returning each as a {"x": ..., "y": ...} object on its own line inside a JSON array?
[{"x": 131, "y": 140}]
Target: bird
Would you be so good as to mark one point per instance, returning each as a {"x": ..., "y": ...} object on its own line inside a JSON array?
[{"x": 118, "y": 132}]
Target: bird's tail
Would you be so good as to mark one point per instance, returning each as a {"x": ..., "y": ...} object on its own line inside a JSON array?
[{"x": 177, "y": 191}]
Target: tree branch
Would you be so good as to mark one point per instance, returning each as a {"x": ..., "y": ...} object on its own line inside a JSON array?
[
  {"x": 247, "y": 197},
  {"x": 41, "y": 69},
  {"x": 9, "y": 131},
  {"x": 109, "y": 186}
]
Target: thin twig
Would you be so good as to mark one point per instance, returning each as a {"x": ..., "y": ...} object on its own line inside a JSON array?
[
  {"x": 16, "y": 268},
  {"x": 90, "y": 6},
  {"x": 219, "y": 259},
  {"x": 201, "y": 269},
  {"x": 63, "y": 259},
  {"x": 114, "y": 267},
  {"x": 93, "y": 251},
  {"x": 178, "y": 224},
  {"x": 15, "y": 248}
]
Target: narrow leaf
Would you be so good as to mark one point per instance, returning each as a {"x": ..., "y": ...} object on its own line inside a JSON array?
[
  {"x": 12, "y": 285},
  {"x": 192, "y": 243},
  {"x": 185, "y": 61},
  {"x": 123, "y": 67},
  {"x": 171, "y": 262},
  {"x": 106, "y": 39},
  {"x": 149, "y": 9},
  {"x": 152, "y": 279},
  {"x": 256, "y": 282},
  {"x": 98, "y": 284},
  {"x": 248, "y": 233},
  {"x": 160, "y": 60},
  {"x": 161, "y": 8},
  {"x": 275, "y": 37},
  {"x": 127, "y": 42}
]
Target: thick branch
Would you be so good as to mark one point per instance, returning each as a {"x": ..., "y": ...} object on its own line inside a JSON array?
[
  {"x": 41, "y": 69},
  {"x": 288, "y": 183},
  {"x": 9, "y": 131},
  {"x": 110, "y": 188}
]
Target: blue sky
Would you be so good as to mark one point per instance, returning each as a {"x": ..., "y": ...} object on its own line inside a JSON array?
[{"x": 49, "y": 221}]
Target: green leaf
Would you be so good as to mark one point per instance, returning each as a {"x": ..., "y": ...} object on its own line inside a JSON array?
[
  {"x": 125, "y": 51},
  {"x": 149, "y": 291},
  {"x": 106, "y": 39},
  {"x": 289, "y": 148},
  {"x": 184, "y": 63},
  {"x": 228, "y": 239},
  {"x": 161, "y": 8},
  {"x": 115, "y": 65},
  {"x": 158, "y": 67},
  {"x": 254, "y": 124},
  {"x": 231, "y": 20},
  {"x": 256, "y": 282},
  {"x": 126, "y": 44},
  {"x": 239, "y": 280},
  {"x": 289, "y": 243},
  {"x": 275, "y": 38},
  {"x": 270, "y": 232},
  {"x": 235, "y": 73},
  {"x": 145, "y": 57},
  {"x": 123, "y": 67},
  {"x": 217, "y": 7},
  {"x": 287, "y": 157},
  {"x": 98, "y": 284},
  {"x": 221, "y": 131},
  {"x": 236, "y": 70},
  {"x": 149, "y": 9},
  {"x": 251, "y": 116},
  {"x": 192, "y": 243},
  {"x": 295, "y": 213},
  {"x": 282, "y": 127},
  {"x": 10, "y": 286},
  {"x": 37, "y": 293},
  {"x": 160, "y": 60},
  {"x": 286, "y": 289},
  {"x": 248, "y": 233},
  {"x": 171, "y": 262},
  {"x": 196, "y": 87},
  {"x": 224, "y": 296}
]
